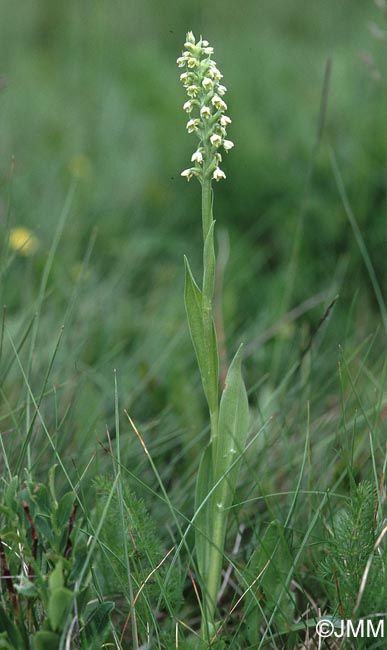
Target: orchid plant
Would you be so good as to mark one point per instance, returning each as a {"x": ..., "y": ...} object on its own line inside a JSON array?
[{"x": 229, "y": 414}]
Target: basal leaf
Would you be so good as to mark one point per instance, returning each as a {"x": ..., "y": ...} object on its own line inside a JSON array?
[
  {"x": 45, "y": 640},
  {"x": 56, "y": 580},
  {"x": 232, "y": 432},
  {"x": 64, "y": 510},
  {"x": 58, "y": 606}
]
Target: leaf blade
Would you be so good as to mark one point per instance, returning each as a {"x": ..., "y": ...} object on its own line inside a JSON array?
[
  {"x": 232, "y": 432},
  {"x": 203, "y": 337}
]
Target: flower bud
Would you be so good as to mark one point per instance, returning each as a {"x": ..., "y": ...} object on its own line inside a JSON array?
[{"x": 190, "y": 38}]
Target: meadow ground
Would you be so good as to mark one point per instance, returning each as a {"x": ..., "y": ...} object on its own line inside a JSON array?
[{"x": 94, "y": 344}]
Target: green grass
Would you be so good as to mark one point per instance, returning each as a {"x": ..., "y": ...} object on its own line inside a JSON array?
[{"x": 92, "y": 324}]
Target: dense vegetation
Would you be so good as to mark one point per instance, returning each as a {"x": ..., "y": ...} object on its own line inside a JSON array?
[{"x": 93, "y": 331}]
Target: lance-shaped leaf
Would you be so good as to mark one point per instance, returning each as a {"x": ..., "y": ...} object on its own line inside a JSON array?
[
  {"x": 232, "y": 433},
  {"x": 227, "y": 447},
  {"x": 203, "y": 338},
  {"x": 203, "y": 520}
]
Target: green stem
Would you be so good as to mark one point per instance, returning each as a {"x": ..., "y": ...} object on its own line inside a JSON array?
[
  {"x": 214, "y": 572},
  {"x": 206, "y": 205},
  {"x": 210, "y": 582},
  {"x": 207, "y": 297}
]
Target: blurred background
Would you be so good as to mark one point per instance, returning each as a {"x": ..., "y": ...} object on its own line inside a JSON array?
[{"x": 93, "y": 141}]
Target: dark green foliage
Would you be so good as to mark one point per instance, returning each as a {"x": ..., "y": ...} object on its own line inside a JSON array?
[
  {"x": 152, "y": 594},
  {"x": 268, "y": 573},
  {"x": 350, "y": 545}
]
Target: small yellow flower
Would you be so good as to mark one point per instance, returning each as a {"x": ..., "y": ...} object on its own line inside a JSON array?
[
  {"x": 286, "y": 331},
  {"x": 80, "y": 166},
  {"x": 23, "y": 241},
  {"x": 79, "y": 272}
]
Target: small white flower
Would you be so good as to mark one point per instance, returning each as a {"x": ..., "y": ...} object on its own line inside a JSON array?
[
  {"x": 205, "y": 112},
  {"x": 184, "y": 77},
  {"x": 215, "y": 140},
  {"x": 219, "y": 103},
  {"x": 221, "y": 89},
  {"x": 218, "y": 174},
  {"x": 187, "y": 106},
  {"x": 218, "y": 157},
  {"x": 208, "y": 50},
  {"x": 192, "y": 125},
  {"x": 216, "y": 74},
  {"x": 227, "y": 145},
  {"x": 205, "y": 43},
  {"x": 181, "y": 61},
  {"x": 224, "y": 120},
  {"x": 193, "y": 90},
  {"x": 197, "y": 156},
  {"x": 187, "y": 173},
  {"x": 192, "y": 62},
  {"x": 207, "y": 83}
]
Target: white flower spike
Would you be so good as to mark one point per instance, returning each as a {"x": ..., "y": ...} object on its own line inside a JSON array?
[{"x": 206, "y": 107}]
